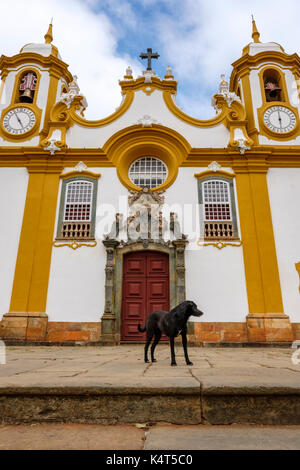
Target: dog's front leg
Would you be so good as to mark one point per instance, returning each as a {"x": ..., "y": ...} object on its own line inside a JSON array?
[
  {"x": 173, "y": 360},
  {"x": 184, "y": 344}
]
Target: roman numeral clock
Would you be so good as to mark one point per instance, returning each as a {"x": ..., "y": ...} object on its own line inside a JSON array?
[
  {"x": 20, "y": 121},
  {"x": 280, "y": 119}
]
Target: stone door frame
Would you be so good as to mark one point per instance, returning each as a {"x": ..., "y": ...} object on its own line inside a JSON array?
[{"x": 115, "y": 250}]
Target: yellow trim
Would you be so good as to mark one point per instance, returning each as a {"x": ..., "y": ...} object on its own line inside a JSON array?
[
  {"x": 226, "y": 174},
  {"x": 31, "y": 278},
  {"x": 220, "y": 245},
  {"x": 247, "y": 62},
  {"x": 104, "y": 122},
  {"x": 127, "y": 145},
  {"x": 50, "y": 62},
  {"x": 75, "y": 245},
  {"x": 247, "y": 95},
  {"x": 34, "y": 131},
  {"x": 260, "y": 259},
  {"x": 236, "y": 112},
  {"x": 49, "y": 35},
  {"x": 3, "y": 80},
  {"x": 84, "y": 173},
  {"x": 52, "y": 93},
  {"x": 298, "y": 270},
  {"x": 255, "y": 32},
  {"x": 169, "y": 86}
]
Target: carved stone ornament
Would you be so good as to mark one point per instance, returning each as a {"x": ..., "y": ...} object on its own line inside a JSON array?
[
  {"x": 147, "y": 121},
  {"x": 214, "y": 166}
]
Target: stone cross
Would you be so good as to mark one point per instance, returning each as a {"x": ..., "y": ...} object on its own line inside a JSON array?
[{"x": 149, "y": 55}]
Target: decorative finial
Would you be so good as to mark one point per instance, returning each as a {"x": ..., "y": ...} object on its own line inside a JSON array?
[
  {"x": 224, "y": 85},
  {"x": 49, "y": 36},
  {"x": 255, "y": 33},
  {"x": 169, "y": 74}
]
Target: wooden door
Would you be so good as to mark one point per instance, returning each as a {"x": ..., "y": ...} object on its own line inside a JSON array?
[{"x": 145, "y": 289}]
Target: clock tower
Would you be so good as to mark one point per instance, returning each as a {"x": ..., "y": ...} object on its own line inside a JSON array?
[
  {"x": 267, "y": 78},
  {"x": 32, "y": 82}
]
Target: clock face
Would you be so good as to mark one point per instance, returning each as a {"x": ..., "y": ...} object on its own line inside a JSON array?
[
  {"x": 280, "y": 119},
  {"x": 19, "y": 120}
]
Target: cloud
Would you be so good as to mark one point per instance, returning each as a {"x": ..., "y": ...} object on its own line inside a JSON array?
[
  {"x": 87, "y": 41},
  {"x": 198, "y": 38}
]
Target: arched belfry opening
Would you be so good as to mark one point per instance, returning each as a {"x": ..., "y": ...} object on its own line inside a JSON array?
[
  {"x": 273, "y": 86},
  {"x": 145, "y": 266}
]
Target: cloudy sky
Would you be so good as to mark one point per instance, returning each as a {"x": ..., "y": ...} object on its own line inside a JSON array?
[{"x": 199, "y": 39}]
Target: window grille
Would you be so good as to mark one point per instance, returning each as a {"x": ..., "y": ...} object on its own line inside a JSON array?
[
  {"x": 77, "y": 214},
  {"x": 218, "y": 214},
  {"x": 148, "y": 171}
]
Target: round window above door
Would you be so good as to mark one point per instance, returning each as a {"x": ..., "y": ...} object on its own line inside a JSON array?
[{"x": 148, "y": 171}]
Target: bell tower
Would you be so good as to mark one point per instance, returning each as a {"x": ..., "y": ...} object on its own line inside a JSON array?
[
  {"x": 266, "y": 78},
  {"x": 32, "y": 82}
]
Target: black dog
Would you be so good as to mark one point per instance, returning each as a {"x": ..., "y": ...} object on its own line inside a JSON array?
[{"x": 172, "y": 324}]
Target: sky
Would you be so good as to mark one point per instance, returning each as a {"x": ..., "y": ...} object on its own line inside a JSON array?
[{"x": 199, "y": 39}]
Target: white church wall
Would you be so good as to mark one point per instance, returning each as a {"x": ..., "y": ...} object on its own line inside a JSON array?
[
  {"x": 13, "y": 189},
  {"x": 77, "y": 277},
  {"x": 284, "y": 192},
  {"x": 215, "y": 279},
  {"x": 154, "y": 106}
]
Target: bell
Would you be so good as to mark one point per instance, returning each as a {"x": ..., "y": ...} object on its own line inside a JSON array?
[
  {"x": 27, "y": 96},
  {"x": 272, "y": 91}
]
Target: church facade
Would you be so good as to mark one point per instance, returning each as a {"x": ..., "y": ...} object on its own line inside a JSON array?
[{"x": 106, "y": 221}]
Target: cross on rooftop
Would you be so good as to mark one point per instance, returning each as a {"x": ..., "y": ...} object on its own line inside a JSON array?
[{"x": 149, "y": 55}]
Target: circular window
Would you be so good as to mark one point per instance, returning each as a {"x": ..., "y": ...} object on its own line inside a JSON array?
[{"x": 148, "y": 171}]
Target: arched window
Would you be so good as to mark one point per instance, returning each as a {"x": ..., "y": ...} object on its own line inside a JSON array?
[
  {"x": 148, "y": 171},
  {"x": 27, "y": 87},
  {"x": 218, "y": 212},
  {"x": 273, "y": 86},
  {"x": 77, "y": 209}
]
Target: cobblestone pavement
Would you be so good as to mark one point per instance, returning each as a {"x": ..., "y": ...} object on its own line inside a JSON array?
[
  {"x": 124, "y": 366},
  {"x": 162, "y": 437}
]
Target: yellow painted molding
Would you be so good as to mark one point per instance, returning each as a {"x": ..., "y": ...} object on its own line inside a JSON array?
[
  {"x": 52, "y": 93},
  {"x": 134, "y": 142},
  {"x": 30, "y": 286},
  {"x": 219, "y": 173},
  {"x": 260, "y": 259},
  {"x": 298, "y": 270},
  {"x": 247, "y": 94},
  {"x": 148, "y": 88},
  {"x": 247, "y": 62},
  {"x": 63, "y": 118},
  {"x": 84, "y": 173},
  {"x": 226, "y": 116},
  {"x": 50, "y": 62},
  {"x": 220, "y": 245},
  {"x": 74, "y": 245}
]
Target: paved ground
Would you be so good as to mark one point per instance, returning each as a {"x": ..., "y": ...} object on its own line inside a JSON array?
[
  {"x": 123, "y": 365},
  {"x": 88, "y": 437},
  {"x": 112, "y": 385}
]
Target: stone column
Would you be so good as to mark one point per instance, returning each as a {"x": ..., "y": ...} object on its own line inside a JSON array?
[
  {"x": 180, "y": 246},
  {"x": 108, "y": 321}
]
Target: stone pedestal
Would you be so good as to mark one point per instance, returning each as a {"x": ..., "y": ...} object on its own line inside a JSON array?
[
  {"x": 272, "y": 328},
  {"x": 24, "y": 326}
]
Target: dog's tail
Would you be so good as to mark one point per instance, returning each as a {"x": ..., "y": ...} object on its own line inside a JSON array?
[{"x": 141, "y": 330}]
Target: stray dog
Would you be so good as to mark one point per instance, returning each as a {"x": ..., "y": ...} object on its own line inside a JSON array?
[{"x": 172, "y": 324}]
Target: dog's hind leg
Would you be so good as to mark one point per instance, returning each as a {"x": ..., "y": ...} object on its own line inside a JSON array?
[
  {"x": 173, "y": 359},
  {"x": 184, "y": 344},
  {"x": 155, "y": 343},
  {"x": 148, "y": 341}
]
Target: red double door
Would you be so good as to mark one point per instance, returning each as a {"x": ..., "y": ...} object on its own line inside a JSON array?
[{"x": 145, "y": 289}]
